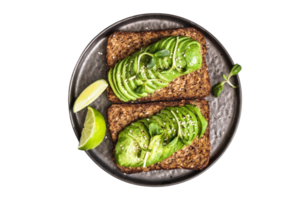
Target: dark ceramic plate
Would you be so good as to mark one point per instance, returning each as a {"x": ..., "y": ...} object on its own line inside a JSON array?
[{"x": 225, "y": 110}]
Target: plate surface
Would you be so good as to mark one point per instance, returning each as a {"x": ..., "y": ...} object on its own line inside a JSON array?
[{"x": 224, "y": 111}]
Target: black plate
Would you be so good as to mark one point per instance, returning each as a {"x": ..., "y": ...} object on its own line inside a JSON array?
[{"x": 225, "y": 110}]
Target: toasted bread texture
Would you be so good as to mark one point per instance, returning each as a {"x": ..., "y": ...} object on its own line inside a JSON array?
[
  {"x": 195, "y": 156},
  {"x": 190, "y": 86}
]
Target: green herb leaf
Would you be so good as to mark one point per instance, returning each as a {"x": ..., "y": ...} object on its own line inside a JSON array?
[
  {"x": 151, "y": 63},
  {"x": 225, "y": 77},
  {"x": 162, "y": 53},
  {"x": 154, "y": 129},
  {"x": 217, "y": 89},
  {"x": 140, "y": 89},
  {"x": 235, "y": 70}
]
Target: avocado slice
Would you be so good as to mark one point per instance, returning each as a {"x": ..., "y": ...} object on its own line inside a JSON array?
[
  {"x": 140, "y": 134},
  {"x": 166, "y": 134},
  {"x": 163, "y": 62},
  {"x": 122, "y": 84},
  {"x": 193, "y": 59},
  {"x": 158, "y": 144},
  {"x": 156, "y": 149},
  {"x": 120, "y": 80},
  {"x": 184, "y": 128},
  {"x": 145, "y": 72},
  {"x": 168, "y": 44},
  {"x": 170, "y": 140},
  {"x": 189, "y": 129},
  {"x": 131, "y": 141},
  {"x": 112, "y": 81},
  {"x": 180, "y": 54},
  {"x": 132, "y": 84},
  {"x": 179, "y": 144},
  {"x": 124, "y": 152},
  {"x": 200, "y": 118},
  {"x": 192, "y": 123},
  {"x": 158, "y": 119},
  {"x": 130, "y": 73},
  {"x": 152, "y": 74},
  {"x": 158, "y": 45},
  {"x": 141, "y": 77},
  {"x": 167, "y": 124},
  {"x": 174, "y": 127},
  {"x": 126, "y": 79},
  {"x": 116, "y": 78},
  {"x": 146, "y": 122}
]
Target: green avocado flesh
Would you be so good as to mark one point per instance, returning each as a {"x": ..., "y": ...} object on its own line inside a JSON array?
[
  {"x": 132, "y": 72},
  {"x": 153, "y": 139}
]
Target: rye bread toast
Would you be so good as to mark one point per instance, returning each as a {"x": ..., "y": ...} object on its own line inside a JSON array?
[
  {"x": 195, "y": 156},
  {"x": 190, "y": 86}
]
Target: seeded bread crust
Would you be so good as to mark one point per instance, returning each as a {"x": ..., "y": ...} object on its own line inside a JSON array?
[
  {"x": 190, "y": 86},
  {"x": 195, "y": 156}
]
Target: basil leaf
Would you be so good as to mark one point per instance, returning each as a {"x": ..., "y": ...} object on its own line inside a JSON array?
[
  {"x": 151, "y": 63},
  {"x": 235, "y": 70},
  {"x": 154, "y": 129},
  {"x": 225, "y": 77},
  {"x": 162, "y": 53},
  {"x": 217, "y": 89},
  {"x": 140, "y": 89}
]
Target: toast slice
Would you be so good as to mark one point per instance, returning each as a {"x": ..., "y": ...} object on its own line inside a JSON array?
[
  {"x": 195, "y": 156},
  {"x": 190, "y": 86}
]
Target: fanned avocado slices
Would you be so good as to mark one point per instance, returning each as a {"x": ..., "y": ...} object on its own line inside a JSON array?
[
  {"x": 153, "y": 139},
  {"x": 135, "y": 76}
]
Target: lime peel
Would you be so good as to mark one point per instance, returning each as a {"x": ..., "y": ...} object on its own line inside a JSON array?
[{"x": 94, "y": 130}]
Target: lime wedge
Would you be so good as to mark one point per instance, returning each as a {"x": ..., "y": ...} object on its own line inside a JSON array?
[
  {"x": 89, "y": 94},
  {"x": 94, "y": 130}
]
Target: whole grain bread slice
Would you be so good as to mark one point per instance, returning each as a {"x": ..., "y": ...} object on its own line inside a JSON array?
[
  {"x": 195, "y": 156},
  {"x": 190, "y": 86}
]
